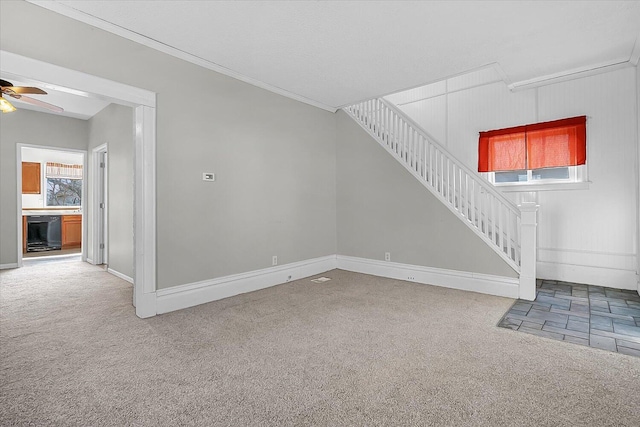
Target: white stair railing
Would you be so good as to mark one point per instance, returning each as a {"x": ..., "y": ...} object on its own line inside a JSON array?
[{"x": 472, "y": 198}]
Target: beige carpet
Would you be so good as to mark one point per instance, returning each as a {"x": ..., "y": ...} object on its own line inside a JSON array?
[{"x": 357, "y": 350}]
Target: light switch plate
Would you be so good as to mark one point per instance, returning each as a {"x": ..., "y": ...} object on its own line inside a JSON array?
[{"x": 208, "y": 176}]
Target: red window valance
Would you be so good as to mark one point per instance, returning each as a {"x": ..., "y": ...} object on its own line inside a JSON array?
[{"x": 536, "y": 146}]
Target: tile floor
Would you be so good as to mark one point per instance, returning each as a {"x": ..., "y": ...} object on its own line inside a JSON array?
[{"x": 595, "y": 316}]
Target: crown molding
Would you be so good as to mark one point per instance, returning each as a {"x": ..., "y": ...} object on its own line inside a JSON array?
[
  {"x": 573, "y": 74},
  {"x": 93, "y": 21}
]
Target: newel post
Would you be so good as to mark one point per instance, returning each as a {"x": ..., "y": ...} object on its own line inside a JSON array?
[{"x": 528, "y": 246}]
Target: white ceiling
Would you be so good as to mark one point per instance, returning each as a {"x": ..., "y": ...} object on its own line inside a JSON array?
[{"x": 332, "y": 54}]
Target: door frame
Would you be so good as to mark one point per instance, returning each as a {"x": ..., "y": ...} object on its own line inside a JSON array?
[
  {"x": 144, "y": 103},
  {"x": 99, "y": 184},
  {"x": 83, "y": 202}
]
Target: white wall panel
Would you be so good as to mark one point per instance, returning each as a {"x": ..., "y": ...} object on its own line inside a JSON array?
[
  {"x": 596, "y": 224},
  {"x": 484, "y": 108},
  {"x": 431, "y": 115}
]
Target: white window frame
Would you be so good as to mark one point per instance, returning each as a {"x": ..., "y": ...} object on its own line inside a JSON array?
[
  {"x": 46, "y": 194},
  {"x": 577, "y": 180}
]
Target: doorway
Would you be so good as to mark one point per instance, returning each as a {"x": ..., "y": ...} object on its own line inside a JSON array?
[
  {"x": 52, "y": 199},
  {"x": 99, "y": 206},
  {"x": 144, "y": 104}
]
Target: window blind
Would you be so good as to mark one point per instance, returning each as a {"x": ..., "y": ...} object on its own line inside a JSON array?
[
  {"x": 536, "y": 146},
  {"x": 60, "y": 170}
]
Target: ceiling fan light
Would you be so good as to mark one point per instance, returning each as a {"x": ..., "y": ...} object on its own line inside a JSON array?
[{"x": 5, "y": 106}]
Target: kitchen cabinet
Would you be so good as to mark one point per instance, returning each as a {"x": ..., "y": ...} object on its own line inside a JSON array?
[
  {"x": 31, "y": 178},
  {"x": 71, "y": 231}
]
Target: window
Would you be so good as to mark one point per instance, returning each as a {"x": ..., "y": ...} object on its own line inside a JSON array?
[
  {"x": 64, "y": 184},
  {"x": 541, "y": 153},
  {"x": 64, "y": 192}
]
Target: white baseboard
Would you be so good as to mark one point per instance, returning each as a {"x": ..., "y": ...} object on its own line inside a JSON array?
[
  {"x": 192, "y": 294},
  {"x": 120, "y": 275},
  {"x": 8, "y": 266},
  {"x": 476, "y": 282},
  {"x": 589, "y": 275},
  {"x": 145, "y": 305},
  {"x": 90, "y": 261}
]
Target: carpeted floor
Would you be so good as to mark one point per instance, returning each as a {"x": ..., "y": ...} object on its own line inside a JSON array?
[{"x": 357, "y": 350}]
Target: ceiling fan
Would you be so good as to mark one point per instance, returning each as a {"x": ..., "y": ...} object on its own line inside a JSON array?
[{"x": 18, "y": 92}]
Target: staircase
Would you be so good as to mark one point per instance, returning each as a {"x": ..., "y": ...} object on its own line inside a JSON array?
[{"x": 475, "y": 201}]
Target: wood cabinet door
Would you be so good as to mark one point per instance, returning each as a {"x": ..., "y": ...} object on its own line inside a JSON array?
[
  {"x": 30, "y": 178},
  {"x": 71, "y": 231}
]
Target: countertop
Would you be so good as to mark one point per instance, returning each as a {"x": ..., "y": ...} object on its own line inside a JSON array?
[{"x": 28, "y": 212}]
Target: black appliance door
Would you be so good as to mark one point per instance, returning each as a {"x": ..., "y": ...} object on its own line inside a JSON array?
[
  {"x": 54, "y": 234},
  {"x": 44, "y": 233}
]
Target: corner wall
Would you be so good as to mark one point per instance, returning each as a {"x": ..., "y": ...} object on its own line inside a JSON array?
[
  {"x": 383, "y": 208},
  {"x": 114, "y": 126}
]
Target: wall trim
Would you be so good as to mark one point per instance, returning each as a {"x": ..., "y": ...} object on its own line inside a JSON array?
[
  {"x": 609, "y": 269},
  {"x": 120, "y": 275},
  {"x": 588, "y": 274},
  {"x": 583, "y": 251},
  {"x": 8, "y": 266},
  {"x": 560, "y": 186},
  {"x": 573, "y": 74},
  {"x": 462, "y": 280},
  {"x": 192, "y": 294}
]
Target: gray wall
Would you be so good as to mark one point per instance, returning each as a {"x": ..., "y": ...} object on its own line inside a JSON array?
[
  {"x": 28, "y": 127},
  {"x": 274, "y": 158},
  {"x": 383, "y": 208},
  {"x": 114, "y": 126}
]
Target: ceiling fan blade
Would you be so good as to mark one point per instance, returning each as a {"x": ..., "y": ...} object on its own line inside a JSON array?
[
  {"x": 24, "y": 89},
  {"x": 38, "y": 103}
]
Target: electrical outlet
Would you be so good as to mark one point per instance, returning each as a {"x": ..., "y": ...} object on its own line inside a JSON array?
[
  {"x": 387, "y": 256},
  {"x": 208, "y": 176},
  {"x": 274, "y": 260}
]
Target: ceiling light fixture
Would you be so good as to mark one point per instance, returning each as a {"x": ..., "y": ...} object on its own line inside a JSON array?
[{"x": 6, "y": 106}]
